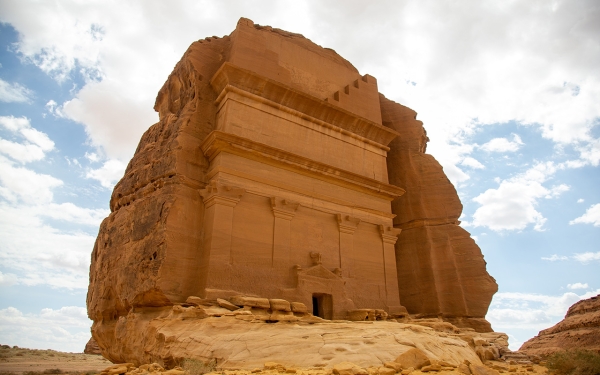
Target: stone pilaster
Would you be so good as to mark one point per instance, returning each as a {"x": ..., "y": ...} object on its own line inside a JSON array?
[
  {"x": 389, "y": 236},
  {"x": 347, "y": 225},
  {"x": 219, "y": 201},
  {"x": 283, "y": 212}
]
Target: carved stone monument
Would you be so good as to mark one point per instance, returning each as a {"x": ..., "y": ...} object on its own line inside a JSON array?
[{"x": 277, "y": 171}]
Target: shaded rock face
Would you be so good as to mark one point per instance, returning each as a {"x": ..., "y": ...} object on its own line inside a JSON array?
[
  {"x": 580, "y": 329},
  {"x": 92, "y": 347},
  {"x": 441, "y": 271},
  {"x": 278, "y": 172}
]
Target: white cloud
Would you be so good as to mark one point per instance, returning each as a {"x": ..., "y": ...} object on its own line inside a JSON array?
[
  {"x": 555, "y": 257},
  {"x": 587, "y": 257},
  {"x": 14, "y": 93},
  {"x": 506, "y": 76},
  {"x": 472, "y": 163},
  {"x": 528, "y": 311},
  {"x": 580, "y": 200},
  {"x": 36, "y": 143},
  {"x": 66, "y": 329},
  {"x": 92, "y": 156},
  {"x": 7, "y": 279},
  {"x": 110, "y": 172},
  {"x": 14, "y": 124},
  {"x": 513, "y": 205},
  {"x": 503, "y": 144},
  {"x": 591, "y": 216},
  {"x": 18, "y": 183},
  {"x": 34, "y": 251},
  {"x": 578, "y": 286}
]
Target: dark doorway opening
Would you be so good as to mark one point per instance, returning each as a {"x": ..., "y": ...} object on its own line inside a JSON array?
[{"x": 322, "y": 305}]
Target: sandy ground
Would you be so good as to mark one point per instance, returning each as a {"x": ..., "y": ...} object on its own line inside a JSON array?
[{"x": 19, "y": 360}]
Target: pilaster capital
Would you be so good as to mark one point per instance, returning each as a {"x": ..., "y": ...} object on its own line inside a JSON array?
[
  {"x": 217, "y": 193},
  {"x": 284, "y": 208},
  {"x": 389, "y": 234},
  {"x": 347, "y": 223}
]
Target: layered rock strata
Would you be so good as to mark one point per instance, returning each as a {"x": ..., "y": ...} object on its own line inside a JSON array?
[
  {"x": 270, "y": 331},
  {"x": 580, "y": 329},
  {"x": 277, "y": 172}
]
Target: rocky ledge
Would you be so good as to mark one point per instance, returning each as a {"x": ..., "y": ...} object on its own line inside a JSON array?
[{"x": 579, "y": 329}]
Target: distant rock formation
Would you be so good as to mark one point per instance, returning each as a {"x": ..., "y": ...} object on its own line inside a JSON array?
[
  {"x": 92, "y": 347},
  {"x": 580, "y": 329},
  {"x": 277, "y": 172}
]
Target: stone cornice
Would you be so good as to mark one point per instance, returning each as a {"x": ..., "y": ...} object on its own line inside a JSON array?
[
  {"x": 218, "y": 141},
  {"x": 284, "y": 208},
  {"x": 216, "y": 193},
  {"x": 389, "y": 234},
  {"x": 232, "y": 78},
  {"x": 347, "y": 223}
]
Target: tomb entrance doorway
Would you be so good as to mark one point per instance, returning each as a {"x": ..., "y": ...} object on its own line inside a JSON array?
[{"x": 322, "y": 305}]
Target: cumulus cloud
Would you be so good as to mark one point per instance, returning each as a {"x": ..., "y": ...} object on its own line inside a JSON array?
[
  {"x": 472, "y": 163},
  {"x": 66, "y": 329},
  {"x": 529, "y": 311},
  {"x": 503, "y": 144},
  {"x": 498, "y": 73},
  {"x": 14, "y": 92},
  {"x": 578, "y": 286},
  {"x": 33, "y": 251},
  {"x": 35, "y": 145},
  {"x": 513, "y": 205},
  {"x": 587, "y": 257},
  {"x": 110, "y": 172},
  {"x": 591, "y": 216}
]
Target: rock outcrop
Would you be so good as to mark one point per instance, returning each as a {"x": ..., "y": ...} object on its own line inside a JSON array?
[
  {"x": 440, "y": 267},
  {"x": 278, "y": 179},
  {"x": 580, "y": 329},
  {"x": 92, "y": 347}
]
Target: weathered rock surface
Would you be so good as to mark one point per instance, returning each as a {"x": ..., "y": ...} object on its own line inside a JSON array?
[
  {"x": 92, "y": 347},
  {"x": 168, "y": 336},
  {"x": 440, "y": 267},
  {"x": 272, "y": 187},
  {"x": 580, "y": 329}
]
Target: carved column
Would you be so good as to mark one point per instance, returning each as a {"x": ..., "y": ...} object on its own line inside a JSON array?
[
  {"x": 389, "y": 236},
  {"x": 283, "y": 211},
  {"x": 219, "y": 201},
  {"x": 347, "y": 225}
]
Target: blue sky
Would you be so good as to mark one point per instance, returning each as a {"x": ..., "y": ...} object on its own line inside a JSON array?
[{"x": 508, "y": 92}]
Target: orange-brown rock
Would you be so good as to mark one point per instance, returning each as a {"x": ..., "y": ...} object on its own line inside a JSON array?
[
  {"x": 441, "y": 271},
  {"x": 274, "y": 182},
  {"x": 92, "y": 347},
  {"x": 580, "y": 329}
]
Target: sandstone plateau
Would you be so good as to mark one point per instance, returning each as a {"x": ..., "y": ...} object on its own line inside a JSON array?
[
  {"x": 281, "y": 195},
  {"x": 580, "y": 329}
]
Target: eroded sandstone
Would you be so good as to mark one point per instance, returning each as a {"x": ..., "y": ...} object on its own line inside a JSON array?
[
  {"x": 280, "y": 186},
  {"x": 580, "y": 329}
]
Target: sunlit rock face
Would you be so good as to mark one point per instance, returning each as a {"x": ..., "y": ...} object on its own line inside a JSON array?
[
  {"x": 278, "y": 172},
  {"x": 580, "y": 329}
]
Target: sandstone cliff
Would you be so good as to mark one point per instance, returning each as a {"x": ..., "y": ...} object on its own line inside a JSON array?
[
  {"x": 580, "y": 329},
  {"x": 266, "y": 176},
  {"x": 440, "y": 267}
]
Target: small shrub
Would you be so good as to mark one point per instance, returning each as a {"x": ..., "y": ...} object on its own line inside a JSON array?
[
  {"x": 53, "y": 371},
  {"x": 198, "y": 367},
  {"x": 574, "y": 362}
]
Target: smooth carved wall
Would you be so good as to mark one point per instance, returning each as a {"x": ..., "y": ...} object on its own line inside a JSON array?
[
  {"x": 263, "y": 245},
  {"x": 277, "y": 170}
]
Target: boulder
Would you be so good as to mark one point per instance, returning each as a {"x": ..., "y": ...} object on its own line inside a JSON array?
[{"x": 413, "y": 358}]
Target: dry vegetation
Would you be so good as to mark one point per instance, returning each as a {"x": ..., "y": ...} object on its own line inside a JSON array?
[
  {"x": 15, "y": 361},
  {"x": 574, "y": 362}
]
